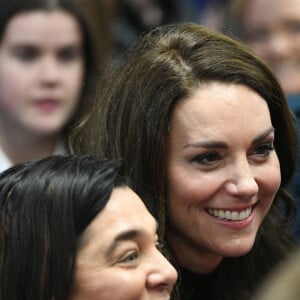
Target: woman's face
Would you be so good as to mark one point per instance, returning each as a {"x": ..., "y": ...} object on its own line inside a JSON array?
[
  {"x": 222, "y": 174},
  {"x": 118, "y": 257},
  {"x": 273, "y": 29},
  {"x": 41, "y": 71}
]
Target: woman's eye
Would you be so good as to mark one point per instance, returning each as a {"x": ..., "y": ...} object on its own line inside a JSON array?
[
  {"x": 207, "y": 158},
  {"x": 130, "y": 257},
  {"x": 26, "y": 54},
  {"x": 293, "y": 27},
  {"x": 264, "y": 150},
  {"x": 69, "y": 54},
  {"x": 260, "y": 35}
]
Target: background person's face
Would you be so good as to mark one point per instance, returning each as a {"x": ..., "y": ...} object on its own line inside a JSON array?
[
  {"x": 273, "y": 30},
  {"x": 119, "y": 258},
  {"x": 222, "y": 174},
  {"x": 41, "y": 71}
]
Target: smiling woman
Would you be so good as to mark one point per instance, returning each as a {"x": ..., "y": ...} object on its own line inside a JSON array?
[
  {"x": 208, "y": 140},
  {"x": 221, "y": 182},
  {"x": 81, "y": 233},
  {"x": 272, "y": 29}
]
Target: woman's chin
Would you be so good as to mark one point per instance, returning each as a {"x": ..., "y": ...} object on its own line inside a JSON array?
[{"x": 236, "y": 248}]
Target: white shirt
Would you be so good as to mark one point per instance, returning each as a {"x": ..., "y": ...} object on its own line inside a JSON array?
[{"x": 5, "y": 163}]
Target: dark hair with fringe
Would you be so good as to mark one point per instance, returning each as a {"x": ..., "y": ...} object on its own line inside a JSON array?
[{"x": 45, "y": 207}]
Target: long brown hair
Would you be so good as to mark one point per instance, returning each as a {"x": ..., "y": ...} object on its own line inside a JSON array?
[{"x": 134, "y": 106}]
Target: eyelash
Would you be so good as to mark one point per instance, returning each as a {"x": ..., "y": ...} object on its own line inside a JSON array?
[
  {"x": 267, "y": 149},
  {"x": 69, "y": 55},
  {"x": 211, "y": 158},
  {"x": 206, "y": 159},
  {"x": 28, "y": 54},
  {"x": 130, "y": 257}
]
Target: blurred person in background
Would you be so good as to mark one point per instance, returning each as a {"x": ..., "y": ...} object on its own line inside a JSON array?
[
  {"x": 272, "y": 29},
  {"x": 283, "y": 283},
  {"x": 132, "y": 18},
  {"x": 122, "y": 22},
  {"x": 213, "y": 14},
  {"x": 47, "y": 65},
  {"x": 99, "y": 14}
]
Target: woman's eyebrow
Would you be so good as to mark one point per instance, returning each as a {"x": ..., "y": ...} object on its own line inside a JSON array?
[
  {"x": 207, "y": 144},
  {"x": 123, "y": 236},
  {"x": 219, "y": 144},
  {"x": 127, "y": 235},
  {"x": 263, "y": 135}
]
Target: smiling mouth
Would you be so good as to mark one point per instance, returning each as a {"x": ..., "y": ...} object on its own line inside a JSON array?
[{"x": 230, "y": 215}]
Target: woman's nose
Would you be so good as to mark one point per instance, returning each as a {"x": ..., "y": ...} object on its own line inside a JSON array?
[
  {"x": 242, "y": 181},
  {"x": 162, "y": 275},
  {"x": 49, "y": 71},
  {"x": 280, "y": 46}
]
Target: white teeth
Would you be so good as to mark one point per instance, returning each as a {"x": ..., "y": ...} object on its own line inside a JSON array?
[
  {"x": 230, "y": 215},
  {"x": 227, "y": 214},
  {"x": 235, "y": 216},
  {"x": 221, "y": 214}
]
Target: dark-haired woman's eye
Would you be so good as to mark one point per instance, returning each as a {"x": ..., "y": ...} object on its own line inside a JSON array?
[
  {"x": 130, "y": 257},
  {"x": 26, "y": 53},
  {"x": 264, "y": 150},
  {"x": 207, "y": 159}
]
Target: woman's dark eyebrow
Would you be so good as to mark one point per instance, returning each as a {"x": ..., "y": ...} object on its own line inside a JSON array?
[
  {"x": 207, "y": 144},
  {"x": 126, "y": 235},
  {"x": 263, "y": 135},
  {"x": 123, "y": 236},
  {"x": 223, "y": 145}
]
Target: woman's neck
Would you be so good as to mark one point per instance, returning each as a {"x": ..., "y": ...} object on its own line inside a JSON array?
[
  {"x": 23, "y": 146},
  {"x": 190, "y": 256}
]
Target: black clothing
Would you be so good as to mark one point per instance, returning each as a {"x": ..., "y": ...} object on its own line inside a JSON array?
[
  {"x": 195, "y": 286},
  {"x": 220, "y": 284}
]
